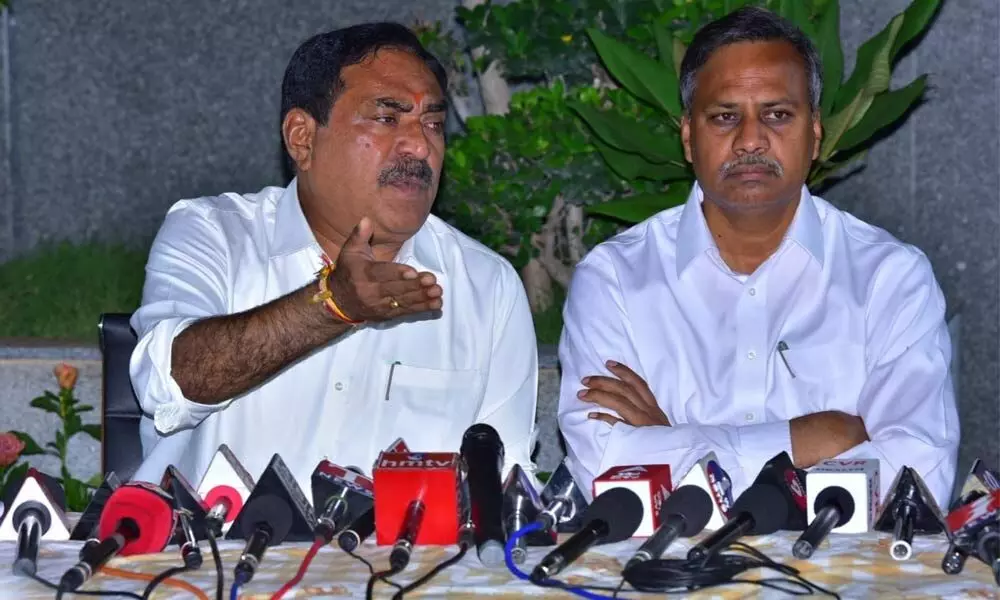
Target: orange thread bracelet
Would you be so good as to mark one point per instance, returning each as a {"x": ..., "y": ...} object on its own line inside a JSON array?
[{"x": 326, "y": 296}]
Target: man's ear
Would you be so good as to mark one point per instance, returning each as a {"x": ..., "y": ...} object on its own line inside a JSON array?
[
  {"x": 686, "y": 136},
  {"x": 299, "y": 133},
  {"x": 817, "y": 133}
]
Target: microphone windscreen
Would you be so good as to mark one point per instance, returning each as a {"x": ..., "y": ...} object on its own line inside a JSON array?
[
  {"x": 271, "y": 510},
  {"x": 841, "y": 498},
  {"x": 151, "y": 512},
  {"x": 621, "y": 509},
  {"x": 766, "y": 504},
  {"x": 692, "y": 503},
  {"x": 227, "y": 495},
  {"x": 481, "y": 433}
]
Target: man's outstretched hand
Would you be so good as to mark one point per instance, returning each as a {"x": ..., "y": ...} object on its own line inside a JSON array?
[
  {"x": 368, "y": 290},
  {"x": 627, "y": 394}
]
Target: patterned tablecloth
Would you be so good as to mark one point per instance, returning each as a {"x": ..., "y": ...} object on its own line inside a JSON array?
[{"x": 855, "y": 566}]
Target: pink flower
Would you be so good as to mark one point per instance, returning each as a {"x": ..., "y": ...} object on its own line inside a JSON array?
[
  {"x": 65, "y": 375},
  {"x": 10, "y": 449}
]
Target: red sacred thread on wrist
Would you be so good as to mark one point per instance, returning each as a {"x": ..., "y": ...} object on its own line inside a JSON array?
[{"x": 325, "y": 295}]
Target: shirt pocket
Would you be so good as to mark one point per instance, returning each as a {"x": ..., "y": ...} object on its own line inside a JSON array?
[
  {"x": 821, "y": 377},
  {"x": 431, "y": 408}
]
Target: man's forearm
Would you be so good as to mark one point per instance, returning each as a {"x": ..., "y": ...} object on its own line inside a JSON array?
[
  {"x": 820, "y": 436},
  {"x": 220, "y": 357}
]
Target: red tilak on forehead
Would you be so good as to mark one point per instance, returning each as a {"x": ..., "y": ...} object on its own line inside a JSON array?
[{"x": 417, "y": 97}]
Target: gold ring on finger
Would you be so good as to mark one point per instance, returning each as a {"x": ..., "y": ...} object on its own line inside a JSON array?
[{"x": 393, "y": 303}]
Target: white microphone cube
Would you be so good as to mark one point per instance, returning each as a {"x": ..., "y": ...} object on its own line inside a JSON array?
[
  {"x": 708, "y": 475},
  {"x": 650, "y": 482},
  {"x": 859, "y": 477}
]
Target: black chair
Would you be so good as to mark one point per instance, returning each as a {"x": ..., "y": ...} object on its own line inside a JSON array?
[{"x": 121, "y": 448}]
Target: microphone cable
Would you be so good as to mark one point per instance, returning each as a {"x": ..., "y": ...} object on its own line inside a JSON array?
[
  {"x": 318, "y": 543},
  {"x": 371, "y": 568},
  {"x": 463, "y": 549},
  {"x": 682, "y": 576},
  {"x": 192, "y": 562},
  {"x": 59, "y": 591},
  {"x": 508, "y": 558}
]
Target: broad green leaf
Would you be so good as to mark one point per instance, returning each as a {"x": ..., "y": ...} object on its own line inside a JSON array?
[
  {"x": 679, "y": 51},
  {"x": 830, "y": 169},
  {"x": 31, "y": 447},
  {"x": 93, "y": 431},
  {"x": 47, "y": 404},
  {"x": 885, "y": 110},
  {"x": 17, "y": 473},
  {"x": 640, "y": 207},
  {"x": 867, "y": 73},
  {"x": 629, "y": 135},
  {"x": 632, "y": 166},
  {"x": 836, "y": 125},
  {"x": 915, "y": 19},
  {"x": 642, "y": 76},
  {"x": 664, "y": 45},
  {"x": 828, "y": 45},
  {"x": 796, "y": 11},
  {"x": 72, "y": 424},
  {"x": 84, "y": 408}
]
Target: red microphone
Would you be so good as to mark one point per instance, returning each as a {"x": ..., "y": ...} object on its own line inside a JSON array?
[
  {"x": 137, "y": 519},
  {"x": 416, "y": 502},
  {"x": 225, "y": 487}
]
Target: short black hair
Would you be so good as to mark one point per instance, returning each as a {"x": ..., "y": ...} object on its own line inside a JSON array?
[
  {"x": 749, "y": 24},
  {"x": 313, "y": 81}
]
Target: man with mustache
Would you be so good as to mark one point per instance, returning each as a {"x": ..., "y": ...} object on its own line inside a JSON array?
[
  {"x": 756, "y": 318},
  {"x": 333, "y": 316}
]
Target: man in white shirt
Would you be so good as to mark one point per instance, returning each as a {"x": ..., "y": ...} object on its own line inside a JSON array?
[
  {"x": 417, "y": 332},
  {"x": 756, "y": 318}
]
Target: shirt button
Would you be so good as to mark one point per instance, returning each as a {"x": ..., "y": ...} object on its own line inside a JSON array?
[
  {"x": 339, "y": 386},
  {"x": 751, "y": 355},
  {"x": 749, "y": 417},
  {"x": 752, "y": 291}
]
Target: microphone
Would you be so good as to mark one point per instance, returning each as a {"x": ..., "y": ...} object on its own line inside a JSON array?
[
  {"x": 340, "y": 496},
  {"x": 86, "y": 526},
  {"x": 401, "y": 550},
  {"x": 34, "y": 512},
  {"x": 781, "y": 473},
  {"x": 760, "y": 510},
  {"x": 687, "y": 512},
  {"x": 429, "y": 479},
  {"x": 970, "y": 523},
  {"x": 266, "y": 521},
  {"x": 988, "y": 548},
  {"x": 708, "y": 475},
  {"x": 612, "y": 517},
  {"x": 843, "y": 497},
  {"x": 521, "y": 506},
  {"x": 483, "y": 452},
  {"x": 225, "y": 488},
  {"x": 138, "y": 518},
  {"x": 358, "y": 531},
  {"x": 563, "y": 503},
  {"x": 650, "y": 482},
  {"x": 909, "y": 508}
]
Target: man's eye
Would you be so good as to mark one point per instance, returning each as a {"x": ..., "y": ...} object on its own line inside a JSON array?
[
  {"x": 386, "y": 119},
  {"x": 436, "y": 125},
  {"x": 727, "y": 117},
  {"x": 778, "y": 115}
]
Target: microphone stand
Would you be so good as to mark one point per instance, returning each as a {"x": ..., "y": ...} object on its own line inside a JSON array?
[{"x": 34, "y": 522}]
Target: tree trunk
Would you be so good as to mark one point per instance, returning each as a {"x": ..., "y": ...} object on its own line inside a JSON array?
[
  {"x": 537, "y": 285},
  {"x": 492, "y": 85}
]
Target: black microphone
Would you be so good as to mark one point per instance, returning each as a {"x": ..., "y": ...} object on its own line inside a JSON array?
[
  {"x": 266, "y": 519},
  {"x": 988, "y": 549},
  {"x": 31, "y": 520},
  {"x": 482, "y": 451},
  {"x": 358, "y": 531},
  {"x": 99, "y": 554},
  {"x": 760, "y": 510},
  {"x": 834, "y": 506},
  {"x": 401, "y": 550},
  {"x": 612, "y": 517},
  {"x": 686, "y": 511}
]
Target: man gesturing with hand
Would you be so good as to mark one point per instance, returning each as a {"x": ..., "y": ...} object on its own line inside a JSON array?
[
  {"x": 757, "y": 318},
  {"x": 331, "y": 317}
]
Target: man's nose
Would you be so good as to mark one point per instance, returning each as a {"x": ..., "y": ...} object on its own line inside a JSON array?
[
  {"x": 412, "y": 140},
  {"x": 751, "y": 138}
]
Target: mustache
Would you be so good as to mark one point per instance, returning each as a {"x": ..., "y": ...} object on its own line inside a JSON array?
[
  {"x": 750, "y": 160},
  {"x": 408, "y": 169}
]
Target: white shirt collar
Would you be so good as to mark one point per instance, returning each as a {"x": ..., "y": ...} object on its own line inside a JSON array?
[
  {"x": 694, "y": 237},
  {"x": 291, "y": 234}
]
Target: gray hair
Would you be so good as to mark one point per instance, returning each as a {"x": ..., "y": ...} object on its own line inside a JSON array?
[{"x": 749, "y": 24}]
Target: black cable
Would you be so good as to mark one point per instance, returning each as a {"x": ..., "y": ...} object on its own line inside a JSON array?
[
  {"x": 376, "y": 576},
  {"x": 430, "y": 574},
  {"x": 163, "y": 576},
  {"x": 219, "y": 577},
  {"x": 60, "y": 591},
  {"x": 371, "y": 568},
  {"x": 679, "y": 576}
]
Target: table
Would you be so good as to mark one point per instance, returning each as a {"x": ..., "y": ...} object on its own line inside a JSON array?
[{"x": 855, "y": 566}]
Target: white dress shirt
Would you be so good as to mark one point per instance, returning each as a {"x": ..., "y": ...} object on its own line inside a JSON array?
[
  {"x": 860, "y": 313},
  {"x": 423, "y": 380}
]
